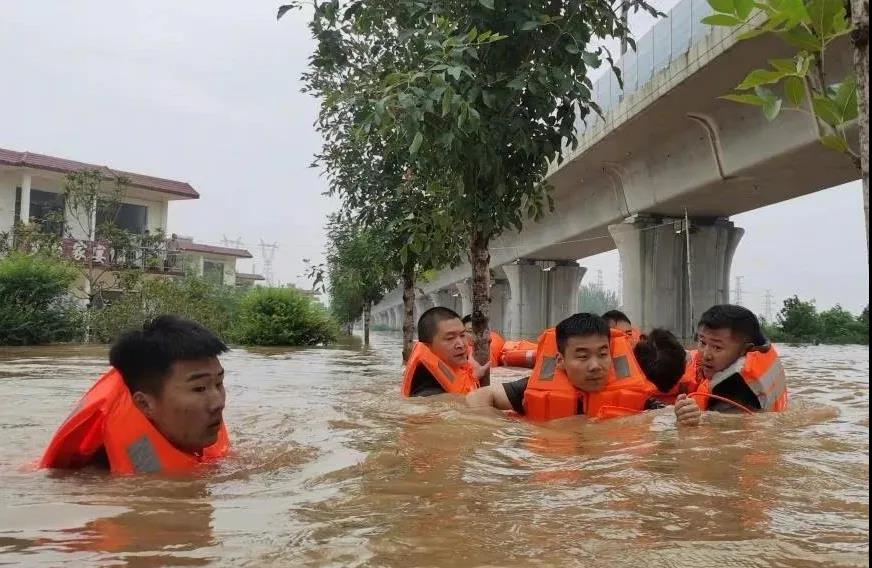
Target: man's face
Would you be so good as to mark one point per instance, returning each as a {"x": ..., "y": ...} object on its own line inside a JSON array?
[
  {"x": 188, "y": 411},
  {"x": 718, "y": 349},
  {"x": 468, "y": 327},
  {"x": 449, "y": 343},
  {"x": 587, "y": 362},
  {"x": 620, "y": 325}
]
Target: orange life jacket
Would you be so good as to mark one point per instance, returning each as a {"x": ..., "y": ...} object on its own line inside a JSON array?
[
  {"x": 519, "y": 354},
  {"x": 550, "y": 394},
  {"x": 762, "y": 372},
  {"x": 455, "y": 381},
  {"x": 496, "y": 347},
  {"x": 106, "y": 417}
]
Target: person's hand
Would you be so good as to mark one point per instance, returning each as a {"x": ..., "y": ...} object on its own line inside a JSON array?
[
  {"x": 687, "y": 412},
  {"x": 479, "y": 371}
]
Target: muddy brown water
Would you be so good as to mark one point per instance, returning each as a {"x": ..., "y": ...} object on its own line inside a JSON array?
[{"x": 332, "y": 468}]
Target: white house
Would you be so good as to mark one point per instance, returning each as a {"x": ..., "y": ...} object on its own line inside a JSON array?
[{"x": 32, "y": 189}]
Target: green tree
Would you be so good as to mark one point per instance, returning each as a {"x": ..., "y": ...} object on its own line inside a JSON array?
[
  {"x": 282, "y": 316},
  {"x": 356, "y": 268},
  {"x": 483, "y": 95},
  {"x": 597, "y": 300},
  {"x": 801, "y": 83},
  {"x": 34, "y": 303},
  {"x": 799, "y": 320}
]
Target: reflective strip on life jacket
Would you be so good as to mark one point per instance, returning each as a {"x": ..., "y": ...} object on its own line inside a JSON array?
[{"x": 762, "y": 372}]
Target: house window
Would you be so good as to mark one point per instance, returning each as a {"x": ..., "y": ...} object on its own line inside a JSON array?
[
  {"x": 213, "y": 271},
  {"x": 125, "y": 216},
  {"x": 46, "y": 208}
]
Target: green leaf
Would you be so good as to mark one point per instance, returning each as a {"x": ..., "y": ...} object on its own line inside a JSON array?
[
  {"x": 772, "y": 108},
  {"x": 846, "y": 99},
  {"x": 723, "y": 6},
  {"x": 794, "y": 90},
  {"x": 835, "y": 142},
  {"x": 745, "y": 99},
  {"x": 784, "y": 65},
  {"x": 530, "y": 25},
  {"x": 416, "y": 144},
  {"x": 823, "y": 14},
  {"x": 826, "y": 110},
  {"x": 572, "y": 48},
  {"x": 489, "y": 4},
  {"x": 591, "y": 59},
  {"x": 795, "y": 11},
  {"x": 489, "y": 99},
  {"x": 447, "y": 99},
  {"x": 721, "y": 20},
  {"x": 744, "y": 8},
  {"x": 801, "y": 38},
  {"x": 760, "y": 77}
]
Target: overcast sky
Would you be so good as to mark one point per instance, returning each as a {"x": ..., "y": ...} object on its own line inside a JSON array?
[{"x": 209, "y": 93}]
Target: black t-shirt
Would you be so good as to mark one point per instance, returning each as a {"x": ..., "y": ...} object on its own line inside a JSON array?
[
  {"x": 515, "y": 394},
  {"x": 734, "y": 388},
  {"x": 424, "y": 383}
]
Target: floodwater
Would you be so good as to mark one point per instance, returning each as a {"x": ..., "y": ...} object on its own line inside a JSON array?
[{"x": 332, "y": 468}]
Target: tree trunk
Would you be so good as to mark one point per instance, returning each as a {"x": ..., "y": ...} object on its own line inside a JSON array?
[
  {"x": 367, "y": 317},
  {"x": 860, "y": 39},
  {"x": 479, "y": 258},
  {"x": 408, "y": 311}
]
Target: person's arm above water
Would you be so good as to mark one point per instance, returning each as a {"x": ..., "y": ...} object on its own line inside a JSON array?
[
  {"x": 687, "y": 411},
  {"x": 507, "y": 396}
]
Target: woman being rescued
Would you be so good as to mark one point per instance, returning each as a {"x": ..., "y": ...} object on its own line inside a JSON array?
[{"x": 584, "y": 368}]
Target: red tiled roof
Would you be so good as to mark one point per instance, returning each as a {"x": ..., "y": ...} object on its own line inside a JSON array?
[
  {"x": 247, "y": 276},
  {"x": 53, "y": 164},
  {"x": 211, "y": 249}
]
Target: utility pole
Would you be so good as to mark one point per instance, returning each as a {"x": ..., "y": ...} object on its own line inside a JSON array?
[
  {"x": 267, "y": 253},
  {"x": 739, "y": 293},
  {"x": 767, "y": 307}
]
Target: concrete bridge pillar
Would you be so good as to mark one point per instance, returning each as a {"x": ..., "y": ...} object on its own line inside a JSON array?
[
  {"x": 563, "y": 282},
  {"x": 498, "y": 297},
  {"x": 526, "y": 306},
  {"x": 655, "y": 264},
  {"x": 464, "y": 289},
  {"x": 542, "y": 294},
  {"x": 422, "y": 303}
]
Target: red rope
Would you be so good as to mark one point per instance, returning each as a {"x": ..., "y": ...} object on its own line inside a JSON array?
[{"x": 724, "y": 399}]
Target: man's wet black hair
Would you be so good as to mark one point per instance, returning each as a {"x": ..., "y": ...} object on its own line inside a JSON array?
[
  {"x": 429, "y": 322},
  {"x": 616, "y": 316},
  {"x": 144, "y": 356},
  {"x": 662, "y": 358},
  {"x": 739, "y": 320},
  {"x": 467, "y": 319},
  {"x": 580, "y": 325}
]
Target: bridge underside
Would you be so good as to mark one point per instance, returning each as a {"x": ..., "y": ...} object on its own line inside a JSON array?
[{"x": 669, "y": 149}]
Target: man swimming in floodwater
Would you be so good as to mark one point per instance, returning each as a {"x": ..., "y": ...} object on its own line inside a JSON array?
[
  {"x": 736, "y": 365},
  {"x": 159, "y": 409},
  {"x": 592, "y": 371},
  {"x": 440, "y": 362}
]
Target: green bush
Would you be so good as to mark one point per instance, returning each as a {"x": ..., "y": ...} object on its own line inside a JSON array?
[
  {"x": 208, "y": 303},
  {"x": 35, "y": 305},
  {"x": 282, "y": 316}
]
